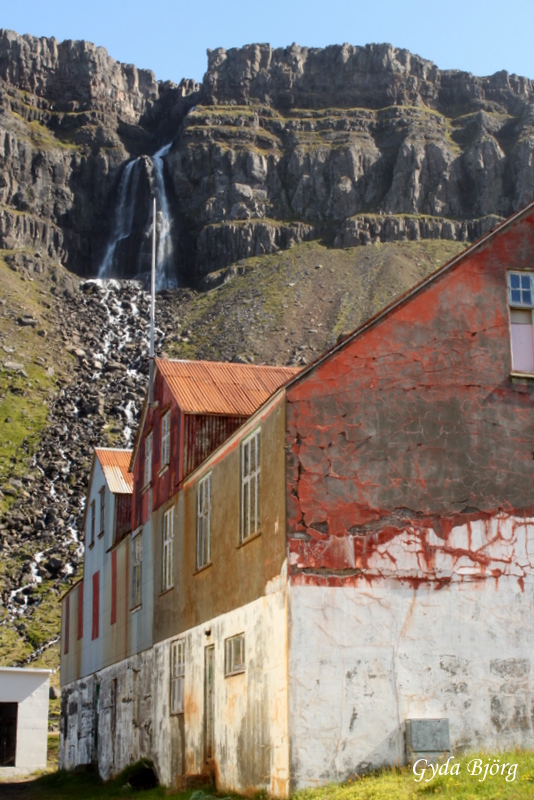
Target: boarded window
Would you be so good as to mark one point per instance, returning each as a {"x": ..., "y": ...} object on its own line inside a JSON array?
[
  {"x": 521, "y": 300},
  {"x": 177, "y": 676},
  {"x": 234, "y": 660},
  {"x": 67, "y": 625},
  {"x": 250, "y": 486},
  {"x": 204, "y": 521},
  {"x": 113, "y": 618},
  {"x": 137, "y": 564},
  {"x": 80, "y": 610},
  {"x": 165, "y": 438},
  {"x": 92, "y": 523},
  {"x": 96, "y": 605},
  {"x": 168, "y": 555},
  {"x": 148, "y": 459},
  {"x": 102, "y": 509}
]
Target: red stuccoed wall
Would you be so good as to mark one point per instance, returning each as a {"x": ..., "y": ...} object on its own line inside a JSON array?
[{"x": 414, "y": 424}]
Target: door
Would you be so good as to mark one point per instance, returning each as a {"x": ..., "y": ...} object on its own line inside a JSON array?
[
  {"x": 209, "y": 706},
  {"x": 8, "y": 734}
]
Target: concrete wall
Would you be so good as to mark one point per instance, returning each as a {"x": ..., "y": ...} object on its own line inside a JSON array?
[
  {"x": 402, "y": 646},
  {"x": 250, "y": 716},
  {"x": 29, "y": 688},
  {"x": 121, "y": 710}
]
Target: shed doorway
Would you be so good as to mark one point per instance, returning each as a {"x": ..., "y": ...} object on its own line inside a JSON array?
[{"x": 8, "y": 734}]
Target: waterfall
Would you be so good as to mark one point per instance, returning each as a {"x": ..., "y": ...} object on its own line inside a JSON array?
[
  {"x": 125, "y": 212},
  {"x": 165, "y": 247},
  {"x": 124, "y": 215}
]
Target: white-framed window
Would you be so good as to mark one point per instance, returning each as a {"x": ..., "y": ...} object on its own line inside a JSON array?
[
  {"x": 204, "y": 521},
  {"x": 250, "y": 485},
  {"x": 137, "y": 569},
  {"x": 102, "y": 509},
  {"x": 148, "y": 459},
  {"x": 177, "y": 676},
  {"x": 521, "y": 302},
  {"x": 165, "y": 439},
  {"x": 167, "y": 581},
  {"x": 234, "y": 654}
]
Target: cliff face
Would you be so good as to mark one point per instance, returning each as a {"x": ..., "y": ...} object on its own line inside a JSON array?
[{"x": 347, "y": 144}]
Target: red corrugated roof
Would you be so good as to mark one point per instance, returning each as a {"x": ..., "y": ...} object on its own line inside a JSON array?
[
  {"x": 115, "y": 465},
  {"x": 214, "y": 387}
]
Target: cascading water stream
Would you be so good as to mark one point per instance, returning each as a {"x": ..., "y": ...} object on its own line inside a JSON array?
[
  {"x": 165, "y": 248},
  {"x": 125, "y": 214}
]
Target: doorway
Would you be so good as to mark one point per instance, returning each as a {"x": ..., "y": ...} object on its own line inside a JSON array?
[
  {"x": 8, "y": 733},
  {"x": 209, "y": 698}
]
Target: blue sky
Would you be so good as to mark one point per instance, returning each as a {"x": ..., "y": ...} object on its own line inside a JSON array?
[{"x": 171, "y": 38}]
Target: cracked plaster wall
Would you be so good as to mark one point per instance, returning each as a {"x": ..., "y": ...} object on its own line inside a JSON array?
[{"x": 250, "y": 709}]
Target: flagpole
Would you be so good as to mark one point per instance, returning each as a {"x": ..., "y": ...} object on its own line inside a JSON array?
[{"x": 152, "y": 307}]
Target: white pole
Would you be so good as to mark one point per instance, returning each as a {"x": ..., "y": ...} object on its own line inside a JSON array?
[{"x": 152, "y": 308}]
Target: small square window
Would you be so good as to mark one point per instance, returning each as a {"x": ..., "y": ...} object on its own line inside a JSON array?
[{"x": 234, "y": 660}]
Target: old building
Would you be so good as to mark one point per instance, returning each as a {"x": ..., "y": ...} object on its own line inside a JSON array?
[
  {"x": 23, "y": 719},
  {"x": 351, "y": 551}
]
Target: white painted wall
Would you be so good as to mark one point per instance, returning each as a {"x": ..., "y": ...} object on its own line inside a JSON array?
[
  {"x": 29, "y": 688},
  {"x": 365, "y": 658}
]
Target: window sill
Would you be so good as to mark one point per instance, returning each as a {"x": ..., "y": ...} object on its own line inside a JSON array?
[
  {"x": 166, "y": 591},
  {"x": 203, "y": 568},
  {"x": 146, "y": 487},
  {"x": 249, "y": 539},
  {"x": 100, "y": 535},
  {"x": 233, "y": 674},
  {"x": 136, "y": 608},
  {"x": 522, "y": 378},
  {"x": 91, "y": 545},
  {"x": 163, "y": 470},
  {"x": 176, "y": 713}
]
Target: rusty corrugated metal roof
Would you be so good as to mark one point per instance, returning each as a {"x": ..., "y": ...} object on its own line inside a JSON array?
[
  {"x": 215, "y": 387},
  {"x": 115, "y": 465}
]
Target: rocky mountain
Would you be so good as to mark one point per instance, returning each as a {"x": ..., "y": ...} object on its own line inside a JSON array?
[
  {"x": 269, "y": 176},
  {"x": 346, "y": 145}
]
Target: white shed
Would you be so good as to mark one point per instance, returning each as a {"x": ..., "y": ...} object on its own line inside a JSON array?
[{"x": 23, "y": 718}]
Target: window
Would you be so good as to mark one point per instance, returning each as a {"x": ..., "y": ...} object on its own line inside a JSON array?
[
  {"x": 521, "y": 300},
  {"x": 96, "y": 605},
  {"x": 167, "y": 577},
  {"x": 204, "y": 521},
  {"x": 102, "y": 509},
  {"x": 80, "y": 611},
  {"x": 67, "y": 624},
  {"x": 92, "y": 523},
  {"x": 137, "y": 562},
  {"x": 234, "y": 658},
  {"x": 113, "y": 617},
  {"x": 165, "y": 439},
  {"x": 177, "y": 676},
  {"x": 250, "y": 486},
  {"x": 148, "y": 459}
]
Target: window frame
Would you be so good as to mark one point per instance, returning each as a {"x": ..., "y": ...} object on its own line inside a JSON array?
[
  {"x": 102, "y": 493},
  {"x": 204, "y": 521},
  {"x": 230, "y": 665},
  {"x": 248, "y": 479},
  {"x": 518, "y": 305},
  {"x": 165, "y": 439},
  {"x": 136, "y": 598},
  {"x": 177, "y": 675},
  {"x": 167, "y": 551},
  {"x": 147, "y": 463}
]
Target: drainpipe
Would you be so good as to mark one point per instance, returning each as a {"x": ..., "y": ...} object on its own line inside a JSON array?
[{"x": 152, "y": 308}]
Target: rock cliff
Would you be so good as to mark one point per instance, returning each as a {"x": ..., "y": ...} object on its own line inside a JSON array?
[{"x": 276, "y": 146}]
